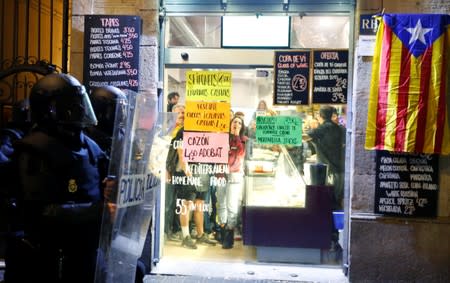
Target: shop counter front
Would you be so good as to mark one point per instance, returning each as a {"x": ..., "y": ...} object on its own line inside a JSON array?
[
  {"x": 285, "y": 219},
  {"x": 291, "y": 234},
  {"x": 297, "y": 227}
]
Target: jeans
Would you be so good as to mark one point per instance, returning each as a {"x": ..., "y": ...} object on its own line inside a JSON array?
[
  {"x": 209, "y": 222},
  {"x": 229, "y": 199}
]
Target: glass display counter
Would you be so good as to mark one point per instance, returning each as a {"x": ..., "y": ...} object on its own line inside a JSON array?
[
  {"x": 285, "y": 219},
  {"x": 272, "y": 180}
]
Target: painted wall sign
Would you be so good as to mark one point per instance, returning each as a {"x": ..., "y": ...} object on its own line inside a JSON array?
[
  {"x": 203, "y": 147},
  {"x": 208, "y": 86},
  {"x": 291, "y": 85},
  {"x": 406, "y": 184},
  {"x": 279, "y": 130},
  {"x": 111, "y": 51},
  {"x": 330, "y": 78},
  {"x": 207, "y": 116}
]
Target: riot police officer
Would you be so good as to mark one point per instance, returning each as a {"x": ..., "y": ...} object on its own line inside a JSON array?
[
  {"x": 58, "y": 179},
  {"x": 110, "y": 107}
]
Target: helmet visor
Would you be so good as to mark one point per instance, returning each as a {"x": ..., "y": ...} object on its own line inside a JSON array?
[{"x": 76, "y": 109}]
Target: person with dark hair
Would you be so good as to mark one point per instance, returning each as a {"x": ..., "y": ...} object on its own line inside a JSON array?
[
  {"x": 172, "y": 100},
  {"x": 58, "y": 176},
  {"x": 329, "y": 141},
  {"x": 229, "y": 196}
]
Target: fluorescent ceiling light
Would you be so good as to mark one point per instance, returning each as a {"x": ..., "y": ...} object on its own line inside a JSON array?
[{"x": 252, "y": 31}]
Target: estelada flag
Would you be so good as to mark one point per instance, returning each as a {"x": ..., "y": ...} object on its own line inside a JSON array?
[{"x": 408, "y": 109}]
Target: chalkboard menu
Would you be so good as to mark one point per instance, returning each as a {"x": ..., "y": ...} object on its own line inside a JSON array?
[
  {"x": 406, "y": 184},
  {"x": 330, "y": 78},
  {"x": 111, "y": 51},
  {"x": 291, "y": 85}
]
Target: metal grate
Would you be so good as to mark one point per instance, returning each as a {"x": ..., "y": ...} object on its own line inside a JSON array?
[{"x": 33, "y": 42}]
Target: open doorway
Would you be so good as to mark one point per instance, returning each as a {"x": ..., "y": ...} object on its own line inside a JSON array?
[
  {"x": 284, "y": 219},
  {"x": 277, "y": 181}
]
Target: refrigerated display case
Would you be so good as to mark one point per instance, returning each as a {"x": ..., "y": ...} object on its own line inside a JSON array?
[
  {"x": 273, "y": 180},
  {"x": 285, "y": 219}
]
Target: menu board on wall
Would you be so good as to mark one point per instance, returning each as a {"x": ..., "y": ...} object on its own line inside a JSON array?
[
  {"x": 291, "y": 86},
  {"x": 330, "y": 78},
  {"x": 111, "y": 51},
  {"x": 406, "y": 184}
]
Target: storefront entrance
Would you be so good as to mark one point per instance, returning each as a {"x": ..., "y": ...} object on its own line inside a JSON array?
[
  {"x": 285, "y": 214},
  {"x": 285, "y": 211}
]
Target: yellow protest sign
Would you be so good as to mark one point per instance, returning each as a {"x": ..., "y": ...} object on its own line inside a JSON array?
[
  {"x": 208, "y": 86},
  {"x": 207, "y": 116}
]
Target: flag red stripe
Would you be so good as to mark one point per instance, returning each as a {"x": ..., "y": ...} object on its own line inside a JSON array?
[
  {"x": 402, "y": 101},
  {"x": 383, "y": 90},
  {"x": 423, "y": 99},
  {"x": 441, "y": 108}
]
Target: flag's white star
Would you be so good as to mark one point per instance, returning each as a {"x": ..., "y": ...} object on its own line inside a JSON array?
[{"x": 418, "y": 33}]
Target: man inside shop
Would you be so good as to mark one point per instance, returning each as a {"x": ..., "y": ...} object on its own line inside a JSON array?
[
  {"x": 172, "y": 100},
  {"x": 329, "y": 142}
]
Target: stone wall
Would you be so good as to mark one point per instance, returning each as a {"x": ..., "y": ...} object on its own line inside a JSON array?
[
  {"x": 148, "y": 10},
  {"x": 387, "y": 248}
]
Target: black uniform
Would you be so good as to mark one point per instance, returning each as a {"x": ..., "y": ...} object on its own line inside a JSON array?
[
  {"x": 62, "y": 204},
  {"x": 57, "y": 179}
]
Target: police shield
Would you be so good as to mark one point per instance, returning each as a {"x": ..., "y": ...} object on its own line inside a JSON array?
[{"x": 129, "y": 189}]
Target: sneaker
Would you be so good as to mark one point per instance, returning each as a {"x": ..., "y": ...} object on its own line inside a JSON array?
[
  {"x": 188, "y": 243},
  {"x": 204, "y": 239},
  {"x": 174, "y": 237}
]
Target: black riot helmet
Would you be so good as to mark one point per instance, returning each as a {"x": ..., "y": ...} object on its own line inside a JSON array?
[
  {"x": 61, "y": 100},
  {"x": 110, "y": 105}
]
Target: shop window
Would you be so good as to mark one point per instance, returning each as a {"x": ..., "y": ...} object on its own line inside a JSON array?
[
  {"x": 320, "y": 32},
  {"x": 305, "y": 32}
]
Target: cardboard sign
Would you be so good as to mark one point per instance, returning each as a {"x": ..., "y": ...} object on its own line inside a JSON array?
[
  {"x": 207, "y": 116},
  {"x": 279, "y": 130},
  {"x": 208, "y": 86},
  {"x": 204, "y": 147}
]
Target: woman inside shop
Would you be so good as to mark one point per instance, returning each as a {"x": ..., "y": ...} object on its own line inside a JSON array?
[{"x": 229, "y": 198}]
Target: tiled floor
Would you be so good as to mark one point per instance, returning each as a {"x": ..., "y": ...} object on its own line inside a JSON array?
[{"x": 214, "y": 264}]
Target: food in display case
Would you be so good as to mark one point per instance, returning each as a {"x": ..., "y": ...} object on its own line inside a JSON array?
[
  {"x": 272, "y": 180},
  {"x": 262, "y": 162},
  {"x": 256, "y": 167}
]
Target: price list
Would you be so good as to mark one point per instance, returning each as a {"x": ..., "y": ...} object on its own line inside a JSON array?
[
  {"x": 111, "y": 51},
  {"x": 406, "y": 184},
  {"x": 330, "y": 78},
  {"x": 291, "y": 77}
]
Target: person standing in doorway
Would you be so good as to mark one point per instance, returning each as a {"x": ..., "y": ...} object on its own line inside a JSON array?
[
  {"x": 172, "y": 223},
  {"x": 188, "y": 198},
  {"x": 229, "y": 197}
]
